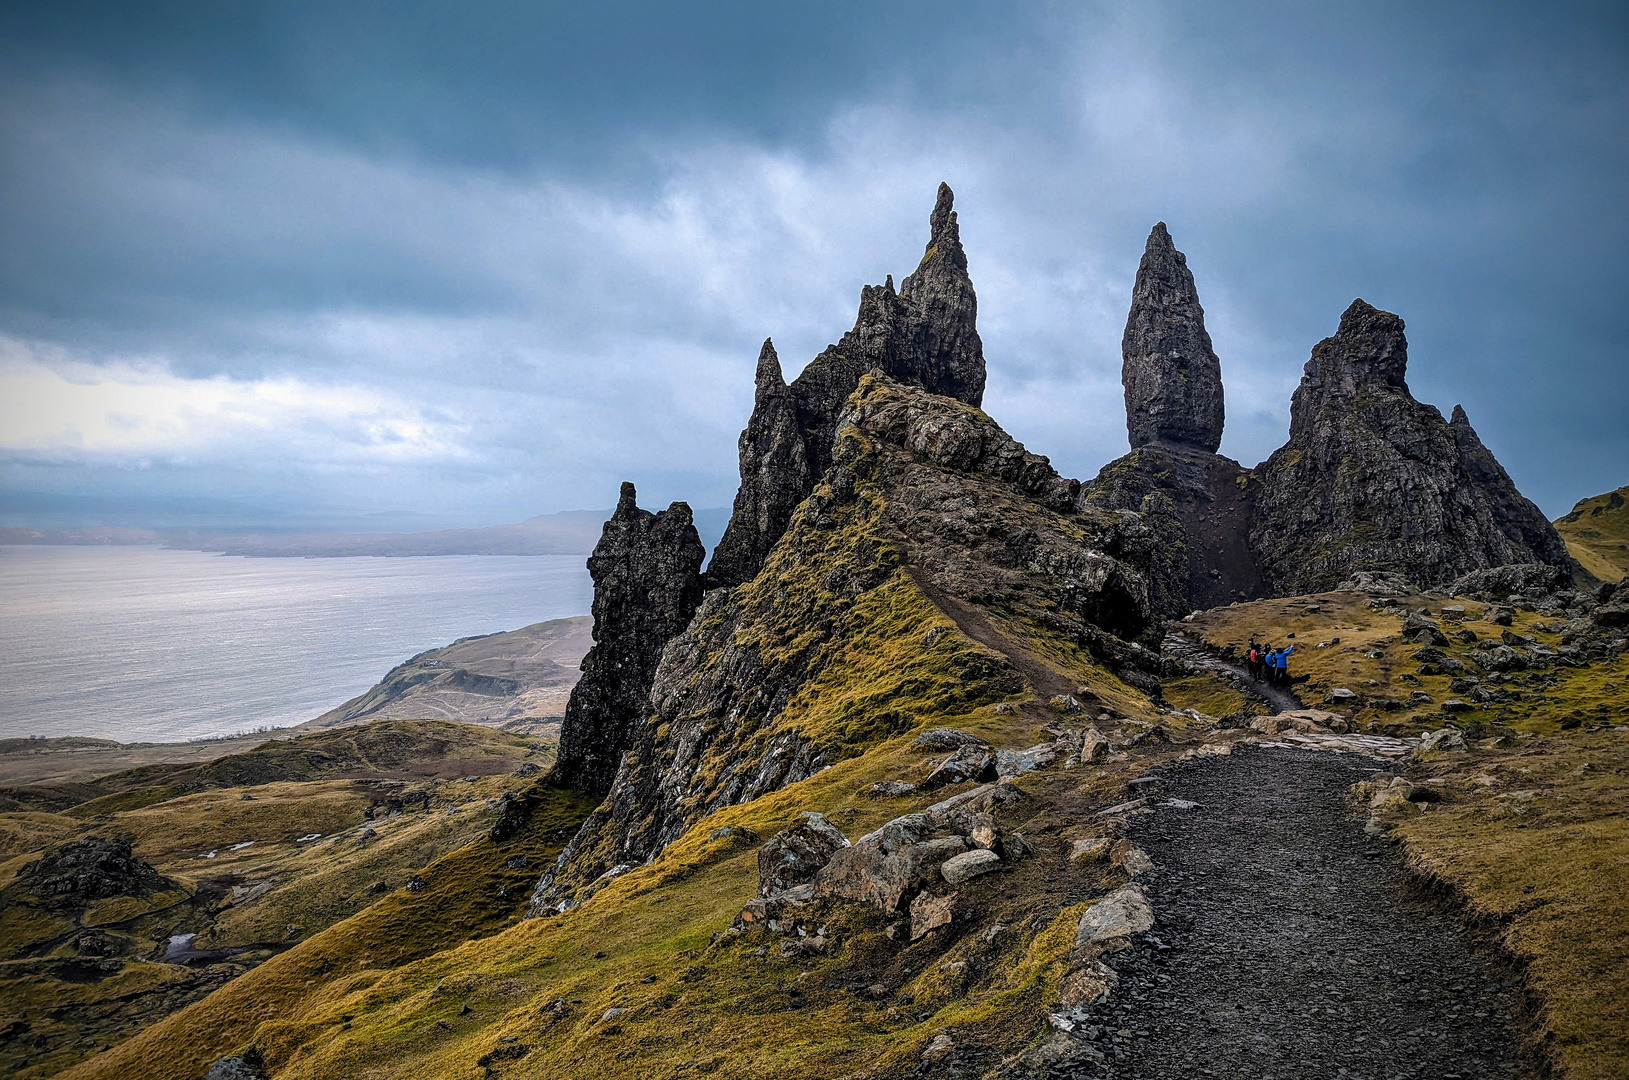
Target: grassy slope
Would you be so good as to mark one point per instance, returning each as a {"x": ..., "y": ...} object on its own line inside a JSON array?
[
  {"x": 1535, "y": 842},
  {"x": 1597, "y": 534},
  {"x": 299, "y": 889},
  {"x": 645, "y": 941},
  {"x": 1533, "y": 833}
]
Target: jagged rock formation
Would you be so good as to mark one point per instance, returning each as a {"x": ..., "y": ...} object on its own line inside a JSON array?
[
  {"x": 1172, "y": 379},
  {"x": 1371, "y": 479},
  {"x": 842, "y": 640},
  {"x": 926, "y": 334},
  {"x": 1199, "y": 505},
  {"x": 94, "y": 868},
  {"x": 1195, "y": 500},
  {"x": 775, "y": 475},
  {"x": 647, "y": 585}
]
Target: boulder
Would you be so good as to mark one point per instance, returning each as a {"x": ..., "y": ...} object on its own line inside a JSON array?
[
  {"x": 1011, "y": 763},
  {"x": 928, "y": 912},
  {"x": 1447, "y": 738},
  {"x": 890, "y": 789},
  {"x": 977, "y": 763},
  {"x": 794, "y": 856},
  {"x": 1121, "y": 913},
  {"x": 1093, "y": 744},
  {"x": 248, "y": 1065},
  {"x": 969, "y": 865},
  {"x": 1515, "y": 579},
  {"x": 885, "y": 868}
]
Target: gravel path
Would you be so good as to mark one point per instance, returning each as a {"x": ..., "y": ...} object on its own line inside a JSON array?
[{"x": 1284, "y": 946}]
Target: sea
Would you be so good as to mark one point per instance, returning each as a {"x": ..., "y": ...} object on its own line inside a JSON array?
[{"x": 146, "y": 644}]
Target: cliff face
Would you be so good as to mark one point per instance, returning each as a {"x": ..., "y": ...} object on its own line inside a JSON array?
[
  {"x": 843, "y": 639},
  {"x": 1371, "y": 479},
  {"x": 647, "y": 585},
  {"x": 926, "y": 334}
]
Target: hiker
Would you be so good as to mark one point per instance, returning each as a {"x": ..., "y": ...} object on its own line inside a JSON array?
[
  {"x": 1284, "y": 665},
  {"x": 1253, "y": 661}
]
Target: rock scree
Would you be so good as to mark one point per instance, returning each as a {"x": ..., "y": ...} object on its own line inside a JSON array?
[{"x": 1286, "y": 943}]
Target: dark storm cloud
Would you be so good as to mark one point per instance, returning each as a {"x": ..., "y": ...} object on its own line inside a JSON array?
[{"x": 492, "y": 258}]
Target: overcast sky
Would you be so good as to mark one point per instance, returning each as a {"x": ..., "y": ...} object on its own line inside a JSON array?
[{"x": 485, "y": 260}]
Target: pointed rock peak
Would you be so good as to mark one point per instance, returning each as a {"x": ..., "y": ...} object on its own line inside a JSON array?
[
  {"x": 627, "y": 503},
  {"x": 1368, "y": 348},
  {"x": 1459, "y": 419},
  {"x": 889, "y": 284},
  {"x": 943, "y": 220},
  {"x": 1172, "y": 378},
  {"x": 769, "y": 377}
]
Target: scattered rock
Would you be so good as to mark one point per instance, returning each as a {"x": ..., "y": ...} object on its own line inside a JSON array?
[
  {"x": 1454, "y": 705},
  {"x": 248, "y": 1065},
  {"x": 945, "y": 738},
  {"x": 969, "y": 865},
  {"x": 939, "y": 1048},
  {"x": 1089, "y": 848},
  {"x": 929, "y": 912},
  {"x": 1010, "y": 763},
  {"x": 794, "y": 856}
]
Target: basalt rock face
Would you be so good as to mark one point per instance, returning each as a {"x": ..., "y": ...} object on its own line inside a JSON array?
[
  {"x": 775, "y": 476},
  {"x": 1200, "y": 505},
  {"x": 1172, "y": 379},
  {"x": 647, "y": 585},
  {"x": 842, "y": 641},
  {"x": 83, "y": 871},
  {"x": 1373, "y": 480},
  {"x": 925, "y": 334},
  {"x": 1195, "y": 500}
]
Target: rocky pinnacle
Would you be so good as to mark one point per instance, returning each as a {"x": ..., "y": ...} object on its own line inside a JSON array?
[
  {"x": 1172, "y": 379},
  {"x": 775, "y": 475},
  {"x": 924, "y": 334},
  {"x": 1373, "y": 480},
  {"x": 647, "y": 585}
]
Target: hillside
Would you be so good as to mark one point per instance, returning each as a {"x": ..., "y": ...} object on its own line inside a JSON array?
[
  {"x": 518, "y": 680},
  {"x": 1597, "y": 534},
  {"x": 935, "y": 772}
]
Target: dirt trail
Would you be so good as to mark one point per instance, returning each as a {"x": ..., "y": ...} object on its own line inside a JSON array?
[
  {"x": 1285, "y": 945},
  {"x": 970, "y": 620},
  {"x": 1277, "y": 698}
]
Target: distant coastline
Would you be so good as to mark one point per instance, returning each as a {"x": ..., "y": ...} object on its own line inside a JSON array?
[{"x": 571, "y": 532}]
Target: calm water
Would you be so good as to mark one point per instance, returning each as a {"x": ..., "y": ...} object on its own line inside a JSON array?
[{"x": 144, "y": 644}]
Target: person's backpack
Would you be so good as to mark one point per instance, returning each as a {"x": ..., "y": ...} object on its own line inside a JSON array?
[{"x": 1252, "y": 656}]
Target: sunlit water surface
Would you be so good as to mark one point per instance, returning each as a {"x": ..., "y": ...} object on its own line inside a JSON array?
[{"x": 145, "y": 644}]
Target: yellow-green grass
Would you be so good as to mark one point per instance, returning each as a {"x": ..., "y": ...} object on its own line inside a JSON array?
[
  {"x": 716, "y": 1004},
  {"x": 1596, "y": 532},
  {"x": 1548, "y": 698},
  {"x": 1208, "y": 693},
  {"x": 1535, "y": 842}
]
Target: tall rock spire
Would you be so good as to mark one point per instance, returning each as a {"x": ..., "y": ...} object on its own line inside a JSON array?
[
  {"x": 775, "y": 476},
  {"x": 647, "y": 584},
  {"x": 925, "y": 334},
  {"x": 1172, "y": 379}
]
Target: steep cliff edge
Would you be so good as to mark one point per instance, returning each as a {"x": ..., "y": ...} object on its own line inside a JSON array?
[
  {"x": 647, "y": 585},
  {"x": 836, "y": 645},
  {"x": 926, "y": 334},
  {"x": 1371, "y": 479}
]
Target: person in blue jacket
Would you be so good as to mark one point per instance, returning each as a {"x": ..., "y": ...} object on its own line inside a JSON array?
[{"x": 1283, "y": 662}]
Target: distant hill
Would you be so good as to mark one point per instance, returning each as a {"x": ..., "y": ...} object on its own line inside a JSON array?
[
  {"x": 512, "y": 680},
  {"x": 569, "y": 532},
  {"x": 1597, "y": 534}
]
